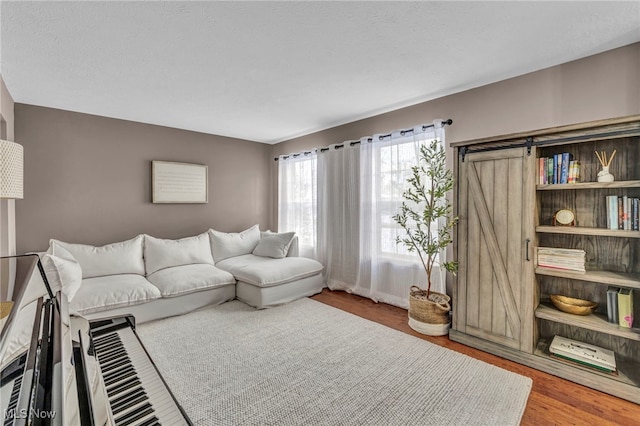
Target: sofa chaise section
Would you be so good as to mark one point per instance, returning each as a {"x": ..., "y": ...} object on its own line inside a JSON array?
[
  {"x": 266, "y": 266},
  {"x": 265, "y": 282}
]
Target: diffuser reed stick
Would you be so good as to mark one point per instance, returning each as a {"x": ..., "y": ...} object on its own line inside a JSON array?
[
  {"x": 604, "y": 175},
  {"x": 602, "y": 157}
]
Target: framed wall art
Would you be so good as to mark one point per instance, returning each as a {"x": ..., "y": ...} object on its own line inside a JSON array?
[{"x": 173, "y": 182}]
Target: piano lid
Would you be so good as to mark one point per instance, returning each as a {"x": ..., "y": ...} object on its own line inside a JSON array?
[
  {"x": 25, "y": 340},
  {"x": 22, "y": 283}
]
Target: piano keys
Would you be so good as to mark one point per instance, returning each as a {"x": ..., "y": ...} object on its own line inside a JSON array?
[{"x": 135, "y": 390}]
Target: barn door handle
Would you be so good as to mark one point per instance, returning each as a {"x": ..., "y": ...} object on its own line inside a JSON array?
[{"x": 527, "y": 241}]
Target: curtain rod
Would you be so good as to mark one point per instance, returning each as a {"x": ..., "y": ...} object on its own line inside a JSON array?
[{"x": 447, "y": 122}]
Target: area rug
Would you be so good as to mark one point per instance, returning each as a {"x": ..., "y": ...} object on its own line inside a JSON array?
[{"x": 306, "y": 363}]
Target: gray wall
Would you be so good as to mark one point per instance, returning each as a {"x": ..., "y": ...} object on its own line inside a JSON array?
[
  {"x": 602, "y": 86},
  {"x": 7, "y": 207},
  {"x": 88, "y": 180},
  {"x": 6, "y": 112}
]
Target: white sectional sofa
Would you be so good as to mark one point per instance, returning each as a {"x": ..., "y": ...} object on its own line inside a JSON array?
[{"x": 154, "y": 278}]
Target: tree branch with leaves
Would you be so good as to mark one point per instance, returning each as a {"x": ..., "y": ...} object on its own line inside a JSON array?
[{"x": 426, "y": 204}]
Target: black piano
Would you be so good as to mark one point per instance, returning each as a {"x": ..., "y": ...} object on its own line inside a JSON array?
[{"x": 57, "y": 369}]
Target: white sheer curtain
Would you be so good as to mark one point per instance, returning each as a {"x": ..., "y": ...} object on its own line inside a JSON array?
[
  {"x": 338, "y": 216},
  {"x": 297, "y": 195},
  {"x": 344, "y": 214},
  {"x": 386, "y": 164}
]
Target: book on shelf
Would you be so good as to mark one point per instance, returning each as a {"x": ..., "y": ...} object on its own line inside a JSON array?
[
  {"x": 625, "y": 307},
  {"x": 561, "y": 258},
  {"x": 574, "y": 171},
  {"x": 612, "y": 304},
  {"x": 612, "y": 212},
  {"x": 583, "y": 353},
  {"x": 558, "y": 169},
  {"x": 564, "y": 167},
  {"x": 623, "y": 213},
  {"x": 542, "y": 171},
  {"x": 620, "y": 214}
]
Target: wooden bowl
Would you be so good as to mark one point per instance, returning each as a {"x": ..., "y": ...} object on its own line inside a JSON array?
[{"x": 572, "y": 305}]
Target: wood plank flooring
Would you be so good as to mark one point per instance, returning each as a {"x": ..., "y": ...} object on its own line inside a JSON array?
[{"x": 553, "y": 401}]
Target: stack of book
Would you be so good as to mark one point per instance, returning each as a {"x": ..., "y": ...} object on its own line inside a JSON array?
[
  {"x": 560, "y": 258},
  {"x": 558, "y": 169},
  {"x": 623, "y": 213},
  {"x": 620, "y": 306},
  {"x": 584, "y": 354}
]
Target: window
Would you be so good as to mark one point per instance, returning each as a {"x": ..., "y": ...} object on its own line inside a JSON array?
[
  {"x": 341, "y": 204},
  {"x": 297, "y": 192},
  {"x": 393, "y": 163}
]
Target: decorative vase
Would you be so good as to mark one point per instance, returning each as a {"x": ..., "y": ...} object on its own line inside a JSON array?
[{"x": 604, "y": 175}]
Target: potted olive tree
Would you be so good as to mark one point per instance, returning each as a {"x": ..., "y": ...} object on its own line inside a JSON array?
[{"x": 427, "y": 219}]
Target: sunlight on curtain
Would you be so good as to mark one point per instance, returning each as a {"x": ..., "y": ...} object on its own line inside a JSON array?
[
  {"x": 390, "y": 269},
  {"x": 297, "y": 195}
]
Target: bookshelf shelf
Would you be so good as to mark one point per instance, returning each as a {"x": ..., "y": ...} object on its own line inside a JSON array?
[
  {"x": 607, "y": 252},
  {"x": 583, "y": 230},
  {"x": 595, "y": 322},
  {"x": 589, "y": 185},
  {"x": 628, "y": 370},
  {"x": 622, "y": 279}
]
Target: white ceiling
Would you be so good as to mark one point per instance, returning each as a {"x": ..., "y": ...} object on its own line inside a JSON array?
[{"x": 270, "y": 71}]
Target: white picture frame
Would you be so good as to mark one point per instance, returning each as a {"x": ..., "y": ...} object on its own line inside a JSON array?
[{"x": 179, "y": 183}]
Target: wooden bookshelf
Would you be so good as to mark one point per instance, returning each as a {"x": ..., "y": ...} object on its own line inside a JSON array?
[
  {"x": 595, "y": 322},
  {"x": 589, "y": 185},
  {"x": 584, "y": 230},
  {"x": 505, "y": 215},
  {"x": 622, "y": 279},
  {"x": 628, "y": 370}
]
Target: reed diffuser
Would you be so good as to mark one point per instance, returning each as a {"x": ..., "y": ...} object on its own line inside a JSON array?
[{"x": 604, "y": 175}]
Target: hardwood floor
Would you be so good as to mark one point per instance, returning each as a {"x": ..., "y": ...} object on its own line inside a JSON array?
[{"x": 553, "y": 401}]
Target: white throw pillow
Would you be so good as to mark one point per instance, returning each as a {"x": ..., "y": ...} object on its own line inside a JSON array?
[
  {"x": 225, "y": 245},
  {"x": 274, "y": 245},
  {"x": 165, "y": 253},
  {"x": 118, "y": 258},
  {"x": 63, "y": 273}
]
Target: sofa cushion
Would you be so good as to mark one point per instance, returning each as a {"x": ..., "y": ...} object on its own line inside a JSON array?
[
  {"x": 63, "y": 273},
  {"x": 274, "y": 245},
  {"x": 225, "y": 245},
  {"x": 189, "y": 278},
  {"x": 164, "y": 253},
  {"x": 118, "y": 258},
  {"x": 265, "y": 271},
  {"x": 113, "y": 291}
]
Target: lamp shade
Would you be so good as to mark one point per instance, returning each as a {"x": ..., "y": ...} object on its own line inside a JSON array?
[{"x": 11, "y": 170}]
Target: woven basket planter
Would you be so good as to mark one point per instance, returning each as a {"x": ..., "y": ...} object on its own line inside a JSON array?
[{"x": 428, "y": 311}]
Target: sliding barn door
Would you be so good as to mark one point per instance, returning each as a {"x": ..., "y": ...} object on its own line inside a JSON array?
[{"x": 494, "y": 297}]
